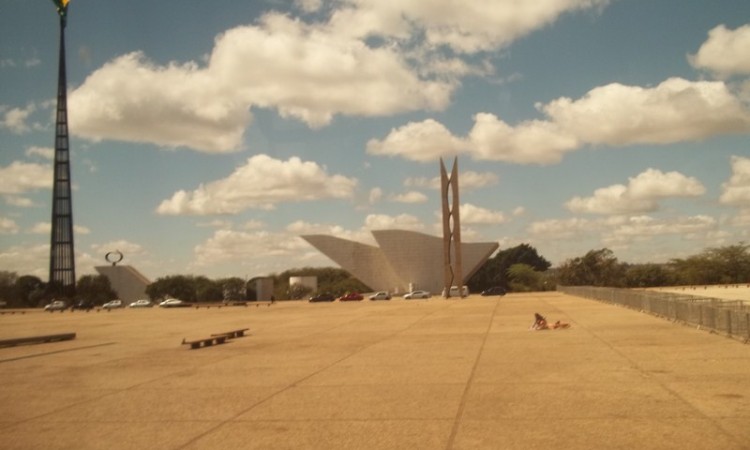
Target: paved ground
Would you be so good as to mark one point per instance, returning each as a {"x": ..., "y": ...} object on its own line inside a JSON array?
[{"x": 437, "y": 374}]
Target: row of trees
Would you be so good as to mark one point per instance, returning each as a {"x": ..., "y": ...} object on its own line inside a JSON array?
[
  {"x": 720, "y": 265},
  {"x": 516, "y": 269}
]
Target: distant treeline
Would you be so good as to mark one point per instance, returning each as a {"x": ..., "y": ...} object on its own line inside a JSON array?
[{"x": 516, "y": 269}]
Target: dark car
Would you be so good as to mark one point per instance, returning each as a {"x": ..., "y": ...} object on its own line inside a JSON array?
[
  {"x": 496, "y": 290},
  {"x": 351, "y": 297},
  {"x": 322, "y": 298},
  {"x": 83, "y": 304}
]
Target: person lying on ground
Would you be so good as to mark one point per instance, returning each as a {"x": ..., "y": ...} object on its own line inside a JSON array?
[{"x": 540, "y": 323}]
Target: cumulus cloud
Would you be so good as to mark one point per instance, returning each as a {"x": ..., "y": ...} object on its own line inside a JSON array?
[
  {"x": 409, "y": 197},
  {"x": 467, "y": 180},
  {"x": 20, "y": 177},
  {"x": 260, "y": 183},
  {"x": 46, "y": 228},
  {"x": 15, "y": 119},
  {"x": 383, "y": 221},
  {"x": 132, "y": 99},
  {"x": 725, "y": 52},
  {"x": 736, "y": 191},
  {"x": 643, "y": 227},
  {"x": 642, "y": 194},
  {"x": 8, "y": 226},
  {"x": 43, "y": 152},
  {"x": 676, "y": 110},
  {"x": 279, "y": 63},
  {"x": 418, "y": 141},
  {"x": 474, "y": 215},
  {"x": 231, "y": 245},
  {"x": 466, "y": 26}
]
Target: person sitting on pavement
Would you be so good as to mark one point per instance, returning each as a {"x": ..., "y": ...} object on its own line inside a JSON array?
[{"x": 540, "y": 323}]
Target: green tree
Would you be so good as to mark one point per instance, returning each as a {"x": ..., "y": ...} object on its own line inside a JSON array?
[
  {"x": 648, "y": 275},
  {"x": 95, "y": 288},
  {"x": 494, "y": 272},
  {"x": 595, "y": 268},
  {"x": 175, "y": 286},
  {"x": 523, "y": 278},
  {"x": 233, "y": 289}
]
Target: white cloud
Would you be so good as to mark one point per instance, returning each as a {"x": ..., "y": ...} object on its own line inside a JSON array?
[
  {"x": 466, "y": 26},
  {"x": 736, "y": 191},
  {"x": 562, "y": 228},
  {"x": 27, "y": 260},
  {"x": 131, "y": 99},
  {"x": 642, "y": 194},
  {"x": 21, "y": 202},
  {"x": 418, "y": 141},
  {"x": 279, "y": 63},
  {"x": 376, "y": 194},
  {"x": 46, "y": 228},
  {"x": 127, "y": 248},
  {"x": 8, "y": 226},
  {"x": 676, "y": 110},
  {"x": 14, "y": 119},
  {"x": 472, "y": 214},
  {"x": 467, "y": 180},
  {"x": 725, "y": 52},
  {"x": 386, "y": 222},
  {"x": 260, "y": 183},
  {"x": 229, "y": 245},
  {"x": 44, "y": 152},
  {"x": 20, "y": 177},
  {"x": 409, "y": 197},
  {"x": 642, "y": 227}
]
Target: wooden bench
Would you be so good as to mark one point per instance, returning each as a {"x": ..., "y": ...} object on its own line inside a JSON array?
[
  {"x": 206, "y": 342},
  {"x": 233, "y": 334}
]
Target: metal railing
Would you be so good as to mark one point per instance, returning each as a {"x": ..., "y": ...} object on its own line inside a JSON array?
[{"x": 729, "y": 317}]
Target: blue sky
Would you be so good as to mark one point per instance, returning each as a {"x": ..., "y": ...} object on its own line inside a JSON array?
[{"x": 207, "y": 136}]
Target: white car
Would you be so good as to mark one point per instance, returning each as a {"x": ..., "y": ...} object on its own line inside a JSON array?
[
  {"x": 416, "y": 294},
  {"x": 141, "y": 304},
  {"x": 57, "y": 305},
  {"x": 382, "y": 295},
  {"x": 173, "y": 303},
  {"x": 113, "y": 304}
]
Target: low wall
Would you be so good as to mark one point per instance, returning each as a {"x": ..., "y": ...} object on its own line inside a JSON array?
[{"x": 723, "y": 316}]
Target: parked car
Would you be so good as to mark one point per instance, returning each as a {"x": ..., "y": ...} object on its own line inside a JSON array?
[
  {"x": 57, "y": 305},
  {"x": 322, "y": 298},
  {"x": 352, "y": 296},
  {"x": 496, "y": 290},
  {"x": 416, "y": 294},
  {"x": 113, "y": 304},
  {"x": 456, "y": 292},
  {"x": 174, "y": 303},
  {"x": 382, "y": 295},
  {"x": 83, "y": 304},
  {"x": 141, "y": 304}
]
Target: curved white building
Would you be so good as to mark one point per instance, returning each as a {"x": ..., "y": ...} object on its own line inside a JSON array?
[{"x": 402, "y": 260}]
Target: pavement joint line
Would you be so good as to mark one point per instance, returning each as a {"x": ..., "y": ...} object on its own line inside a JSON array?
[
  {"x": 647, "y": 375},
  {"x": 469, "y": 382},
  {"x": 306, "y": 377}
]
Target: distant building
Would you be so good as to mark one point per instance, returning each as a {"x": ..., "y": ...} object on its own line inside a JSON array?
[
  {"x": 127, "y": 281},
  {"x": 402, "y": 261}
]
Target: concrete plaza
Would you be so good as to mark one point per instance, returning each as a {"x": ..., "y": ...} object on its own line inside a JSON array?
[{"x": 423, "y": 374}]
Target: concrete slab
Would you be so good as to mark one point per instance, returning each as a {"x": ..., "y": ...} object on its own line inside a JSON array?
[{"x": 445, "y": 374}]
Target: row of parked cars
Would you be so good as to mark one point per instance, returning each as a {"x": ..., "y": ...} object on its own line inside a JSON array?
[
  {"x": 418, "y": 294},
  {"x": 60, "y": 305}
]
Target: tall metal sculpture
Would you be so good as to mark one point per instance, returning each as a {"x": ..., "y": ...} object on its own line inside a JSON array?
[
  {"x": 452, "y": 268},
  {"x": 62, "y": 268}
]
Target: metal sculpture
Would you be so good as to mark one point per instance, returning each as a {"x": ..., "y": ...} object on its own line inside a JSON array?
[{"x": 452, "y": 268}]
